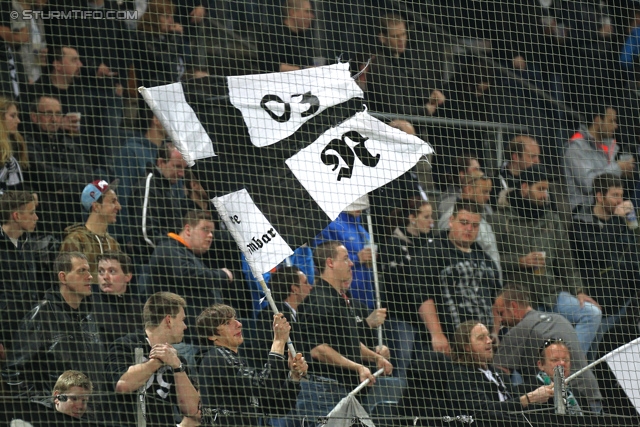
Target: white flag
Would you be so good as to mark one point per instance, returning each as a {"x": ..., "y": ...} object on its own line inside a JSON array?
[
  {"x": 348, "y": 413},
  {"x": 330, "y": 154},
  {"x": 625, "y": 365},
  {"x": 169, "y": 105},
  {"x": 354, "y": 158},
  {"x": 345, "y": 163},
  {"x": 261, "y": 243},
  {"x": 275, "y": 105}
]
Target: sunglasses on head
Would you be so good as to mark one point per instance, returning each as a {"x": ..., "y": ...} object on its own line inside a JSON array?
[{"x": 550, "y": 341}]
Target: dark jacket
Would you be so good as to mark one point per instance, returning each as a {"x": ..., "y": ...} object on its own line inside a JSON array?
[
  {"x": 520, "y": 31},
  {"x": 59, "y": 172},
  {"x": 258, "y": 341},
  {"x": 51, "y": 339},
  {"x": 607, "y": 256},
  {"x": 427, "y": 381},
  {"x": 224, "y": 253},
  {"x": 228, "y": 384},
  {"x": 41, "y": 414},
  {"x": 17, "y": 284},
  {"x": 465, "y": 103},
  {"x": 164, "y": 211},
  {"x": 521, "y": 228},
  {"x": 324, "y": 317},
  {"x": 397, "y": 84},
  {"x": 399, "y": 257},
  {"x": 57, "y": 163},
  {"x": 466, "y": 18},
  {"x": 117, "y": 315},
  {"x": 8, "y": 55},
  {"x": 159, "y": 60},
  {"x": 282, "y": 46},
  {"x": 462, "y": 285},
  {"x": 174, "y": 268},
  {"x": 112, "y": 48},
  {"x": 474, "y": 392}
]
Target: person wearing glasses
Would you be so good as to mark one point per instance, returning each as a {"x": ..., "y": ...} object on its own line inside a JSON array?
[
  {"x": 554, "y": 352},
  {"x": 519, "y": 347},
  {"x": 71, "y": 393},
  {"x": 59, "y": 333},
  {"x": 68, "y": 404},
  {"x": 87, "y": 115},
  {"x": 476, "y": 385},
  {"x": 58, "y": 169}
]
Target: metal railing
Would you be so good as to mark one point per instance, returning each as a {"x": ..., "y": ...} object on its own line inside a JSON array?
[{"x": 498, "y": 129}]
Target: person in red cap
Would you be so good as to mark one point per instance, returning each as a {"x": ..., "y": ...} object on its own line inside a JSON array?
[{"x": 91, "y": 238}]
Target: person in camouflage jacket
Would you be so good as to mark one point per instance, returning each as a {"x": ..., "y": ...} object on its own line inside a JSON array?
[{"x": 92, "y": 238}]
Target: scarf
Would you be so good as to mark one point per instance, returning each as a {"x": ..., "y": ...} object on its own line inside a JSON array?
[{"x": 526, "y": 208}]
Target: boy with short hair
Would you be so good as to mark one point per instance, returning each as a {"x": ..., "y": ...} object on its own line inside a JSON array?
[{"x": 91, "y": 238}]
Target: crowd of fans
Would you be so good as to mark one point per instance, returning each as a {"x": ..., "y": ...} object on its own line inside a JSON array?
[{"x": 123, "y": 293}]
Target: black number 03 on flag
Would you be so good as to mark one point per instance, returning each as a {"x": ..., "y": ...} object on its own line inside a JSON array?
[{"x": 343, "y": 158}]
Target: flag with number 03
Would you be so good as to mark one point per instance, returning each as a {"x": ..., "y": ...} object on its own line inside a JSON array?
[{"x": 306, "y": 146}]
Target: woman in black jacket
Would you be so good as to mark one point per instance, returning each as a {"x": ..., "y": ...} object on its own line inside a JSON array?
[
  {"x": 477, "y": 386},
  {"x": 402, "y": 255},
  {"x": 232, "y": 393}
]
